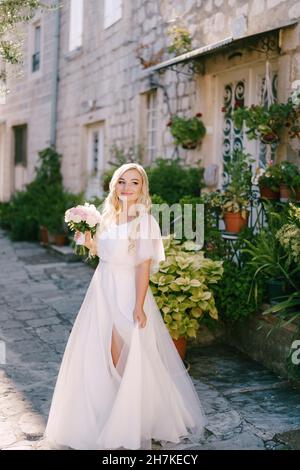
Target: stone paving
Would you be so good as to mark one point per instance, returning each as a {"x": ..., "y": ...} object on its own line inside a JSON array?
[{"x": 247, "y": 406}]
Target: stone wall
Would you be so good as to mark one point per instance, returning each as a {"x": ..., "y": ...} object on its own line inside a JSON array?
[
  {"x": 29, "y": 101},
  {"x": 107, "y": 73}
]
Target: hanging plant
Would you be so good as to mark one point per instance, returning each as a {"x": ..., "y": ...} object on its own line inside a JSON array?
[
  {"x": 188, "y": 132},
  {"x": 264, "y": 123}
]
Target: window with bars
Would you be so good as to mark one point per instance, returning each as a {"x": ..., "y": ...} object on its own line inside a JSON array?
[
  {"x": 76, "y": 24},
  {"x": 263, "y": 148},
  {"x": 95, "y": 151},
  {"x": 20, "y": 144},
  {"x": 36, "y": 56},
  {"x": 151, "y": 148},
  {"x": 112, "y": 12},
  {"x": 234, "y": 95}
]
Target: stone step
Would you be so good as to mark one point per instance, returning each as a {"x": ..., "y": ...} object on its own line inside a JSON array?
[{"x": 65, "y": 252}]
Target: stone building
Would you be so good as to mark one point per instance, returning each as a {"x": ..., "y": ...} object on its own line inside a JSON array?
[{"x": 97, "y": 73}]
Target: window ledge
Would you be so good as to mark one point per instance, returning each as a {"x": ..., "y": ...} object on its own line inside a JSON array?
[{"x": 73, "y": 54}]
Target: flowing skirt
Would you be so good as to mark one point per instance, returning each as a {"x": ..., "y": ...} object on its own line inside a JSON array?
[{"x": 146, "y": 395}]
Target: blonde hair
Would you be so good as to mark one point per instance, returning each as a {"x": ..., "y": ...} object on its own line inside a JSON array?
[{"x": 112, "y": 206}]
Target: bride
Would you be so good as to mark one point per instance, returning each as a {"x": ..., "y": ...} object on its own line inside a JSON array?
[{"x": 121, "y": 382}]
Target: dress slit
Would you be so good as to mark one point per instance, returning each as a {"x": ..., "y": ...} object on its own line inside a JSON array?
[{"x": 118, "y": 353}]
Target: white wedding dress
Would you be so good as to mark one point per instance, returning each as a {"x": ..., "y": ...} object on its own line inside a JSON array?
[{"x": 148, "y": 394}]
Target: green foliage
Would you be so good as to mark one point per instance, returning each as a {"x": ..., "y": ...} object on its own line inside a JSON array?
[
  {"x": 289, "y": 234},
  {"x": 214, "y": 245},
  {"x": 172, "y": 180},
  {"x": 13, "y": 12},
  {"x": 264, "y": 123},
  {"x": 239, "y": 189},
  {"x": 43, "y": 202},
  {"x": 287, "y": 172},
  {"x": 187, "y": 132},
  {"x": 232, "y": 293},
  {"x": 296, "y": 183},
  {"x": 181, "y": 40},
  {"x": 270, "y": 177},
  {"x": 182, "y": 287}
]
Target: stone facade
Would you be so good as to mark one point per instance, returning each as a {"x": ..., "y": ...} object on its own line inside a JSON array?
[{"x": 103, "y": 90}]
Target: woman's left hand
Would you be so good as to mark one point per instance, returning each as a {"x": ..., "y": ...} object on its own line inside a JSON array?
[{"x": 140, "y": 316}]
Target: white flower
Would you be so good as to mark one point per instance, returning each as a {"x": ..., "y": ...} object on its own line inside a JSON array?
[
  {"x": 91, "y": 220},
  {"x": 67, "y": 216},
  {"x": 76, "y": 219}
]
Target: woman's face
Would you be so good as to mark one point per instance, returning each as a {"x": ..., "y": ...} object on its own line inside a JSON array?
[{"x": 129, "y": 186}]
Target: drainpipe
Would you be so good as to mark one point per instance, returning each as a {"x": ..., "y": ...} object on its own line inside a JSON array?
[{"x": 54, "y": 93}]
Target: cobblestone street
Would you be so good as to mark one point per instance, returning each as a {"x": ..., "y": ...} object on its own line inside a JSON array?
[{"x": 247, "y": 406}]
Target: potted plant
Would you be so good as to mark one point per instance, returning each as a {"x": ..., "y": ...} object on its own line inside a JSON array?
[
  {"x": 188, "y": 132},
  {"x": 264, "y": 123},
  {"x": 235, "y": 200},
  {"x": 56, "y": 229},
  {"x": 268, "y": 180},
  {"x": 289, "y": 234},
  {"x": 296, "y": 187},
  {"x": 274, "y": 254},
  {"x": 182, "y": 291},
  {"x": 235, "y": 212},
  {"x": 287, "y": 173}
]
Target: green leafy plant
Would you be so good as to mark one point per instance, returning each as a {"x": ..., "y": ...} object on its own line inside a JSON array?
[
  {"x": 289, "y": 234},
  {"x": 264, "y": 123},
  {"x": 172, "y": 179},
  {"x": 182, "y": 288},
  {"x": 232, "y": 293},
  {"x": 270, "y": 261},
  {"x": 43, "y": 202},
  {"x": 296, "y": 183},
  {"x": 287, "y": 172},
  {"x": 268, "y": 177},
  {"x": 238, "y": 191},
  {"x": 214, "y": 245},
  {"x": 187, "y": 132},
  {"x": 181, "y": 40}
]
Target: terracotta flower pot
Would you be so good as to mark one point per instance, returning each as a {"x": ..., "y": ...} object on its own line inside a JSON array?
[
  {"x": 44, "y": 239},
  {"x": 180, "y": 344},
  {"x": 285, "y": 193},
  {"x": 60, "y": 239},
  {"x": 189, "y": 145},
  {"x": 234, "y": 222},
  {"x": 268, "y": 193},
  {"x": 270, "y": 138}
]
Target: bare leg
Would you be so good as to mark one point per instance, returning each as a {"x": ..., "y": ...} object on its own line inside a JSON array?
[{"x": 116, "y": 346}]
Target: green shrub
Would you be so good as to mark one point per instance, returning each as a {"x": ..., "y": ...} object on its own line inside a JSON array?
[
  {"x": 43, "y": 202},
  {"x": 232, "y": 293},
  {"x": 171, "y": 180}
]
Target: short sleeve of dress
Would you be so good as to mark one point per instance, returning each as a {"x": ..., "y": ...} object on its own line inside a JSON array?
[{"x": 149, "y": 243}]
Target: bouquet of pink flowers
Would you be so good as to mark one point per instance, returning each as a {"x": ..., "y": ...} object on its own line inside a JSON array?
[{"x": 82, "y": 218}]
